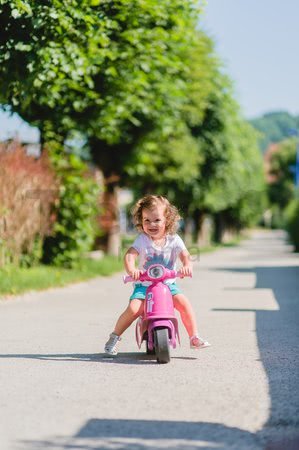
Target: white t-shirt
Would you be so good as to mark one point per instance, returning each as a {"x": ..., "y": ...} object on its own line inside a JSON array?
[{"x": 149, "y": 253}]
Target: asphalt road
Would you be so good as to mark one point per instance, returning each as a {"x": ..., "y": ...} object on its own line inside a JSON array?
[{"x": 59, "y": 391}]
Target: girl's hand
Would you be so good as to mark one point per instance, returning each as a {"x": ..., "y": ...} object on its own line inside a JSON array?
[
  {"x": 129, "y": 260},
  {"x": 135, "y": 274},
  {"x": 186, "y": 271}
]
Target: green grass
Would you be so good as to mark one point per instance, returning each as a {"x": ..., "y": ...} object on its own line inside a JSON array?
[
  {"x": 19, "y": 280},
  {"x": 14, "y": 280}
]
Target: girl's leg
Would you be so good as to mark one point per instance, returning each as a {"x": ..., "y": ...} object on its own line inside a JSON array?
[
  {"x": 132, "y": 312},
  {"x": 182, "y": 304},
  {"x": 134, "y": 309}
]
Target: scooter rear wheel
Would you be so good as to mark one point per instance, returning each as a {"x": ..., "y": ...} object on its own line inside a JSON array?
[{"x": 161, "y": 340}]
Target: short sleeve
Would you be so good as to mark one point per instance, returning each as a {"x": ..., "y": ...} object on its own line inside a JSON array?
[
  {"x": 179, "y": 244},
  {"x": 138, "y": 243}
]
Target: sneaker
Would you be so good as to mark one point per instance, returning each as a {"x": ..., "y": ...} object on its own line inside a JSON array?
[
  {"x": 197, "y": 342},
  {"x": 111, "y": 345}
]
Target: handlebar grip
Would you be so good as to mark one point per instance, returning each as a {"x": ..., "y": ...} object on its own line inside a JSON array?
[
  {"x": 127, "y": 278},
  {"x": 180, "y": 275}
]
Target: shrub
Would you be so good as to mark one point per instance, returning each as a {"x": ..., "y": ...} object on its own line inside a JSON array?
[
  {"x": 74, "y": 229},
  {"x": 292, "y": 222},
  {"x": 28, "y": 190}
]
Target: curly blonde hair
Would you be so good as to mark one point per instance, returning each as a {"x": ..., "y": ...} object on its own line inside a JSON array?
[{"x": 152, "y": 201}]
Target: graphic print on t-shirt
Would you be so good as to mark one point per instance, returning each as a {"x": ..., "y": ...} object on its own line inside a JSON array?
[
  {"x": 158, "y": 258},
  {"x": 149, "y": 253}
]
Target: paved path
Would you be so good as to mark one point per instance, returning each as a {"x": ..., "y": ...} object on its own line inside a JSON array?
[{"x": 59, "y": 391}]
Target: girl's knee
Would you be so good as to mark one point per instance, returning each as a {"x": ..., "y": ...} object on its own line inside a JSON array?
[
  {"x": 135, "y": 308},
  {"x": 180, "y": 300},
  {"x": 181, "y": 303}
]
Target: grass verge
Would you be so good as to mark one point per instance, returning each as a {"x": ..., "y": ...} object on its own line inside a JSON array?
[
  {"x": 14, "y": 280},
  {"x": 19, "y": 280}
]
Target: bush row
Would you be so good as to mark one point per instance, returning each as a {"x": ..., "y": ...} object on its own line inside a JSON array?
[
  {"x": 46, "y": 208},
  {"x": 292, "y": 222},
  {"x": 28, "y": 191}
]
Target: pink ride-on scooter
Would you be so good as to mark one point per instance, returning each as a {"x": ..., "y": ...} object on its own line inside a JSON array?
[{"x": 158, "y": 325}]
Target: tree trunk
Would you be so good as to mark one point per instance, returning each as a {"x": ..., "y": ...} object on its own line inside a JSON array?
[
  {"x": 188, "y": 231},
  {"x": 108, "y": 158},
  {"x": 204, "y": 229},
  {"x": 109, "y": 219},
  {"x": 224, "y": 231},
  {"x": 219, "y": 227}
]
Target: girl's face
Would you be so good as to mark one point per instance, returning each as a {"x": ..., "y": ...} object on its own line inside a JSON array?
[{"x": 154, "y": 222}]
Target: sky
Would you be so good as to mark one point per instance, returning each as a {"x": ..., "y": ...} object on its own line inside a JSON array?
[{"x": 257, "y": 41}]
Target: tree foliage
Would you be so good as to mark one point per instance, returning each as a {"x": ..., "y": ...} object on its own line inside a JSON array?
[
  {"x": 144, "y": 86},
  {"x": 219, "y": 167},
  {"x": 282, "y": 190},
  {"x": 274, "y": 127},
  {"x": 292, "y": 222},
  {"x": 107, "y": 67}
]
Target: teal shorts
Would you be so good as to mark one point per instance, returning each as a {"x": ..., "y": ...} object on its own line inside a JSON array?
[{"x": 140, "y": 291}]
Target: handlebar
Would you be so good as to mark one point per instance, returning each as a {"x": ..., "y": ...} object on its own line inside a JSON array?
[{"x": 143, "y": 276}]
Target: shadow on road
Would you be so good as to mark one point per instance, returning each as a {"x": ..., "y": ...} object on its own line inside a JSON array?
[
  {"x": 107, "y": 434},
  {"x": 278, "y": 340},
  {"x": 122, "y": 358}
]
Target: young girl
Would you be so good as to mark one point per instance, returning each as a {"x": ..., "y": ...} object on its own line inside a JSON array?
[{"x": 157, "y": 220}]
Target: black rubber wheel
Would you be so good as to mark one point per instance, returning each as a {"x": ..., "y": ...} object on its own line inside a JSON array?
[
  {"x": 162, "y": 345},
  {"x": 148, "y": 351}
]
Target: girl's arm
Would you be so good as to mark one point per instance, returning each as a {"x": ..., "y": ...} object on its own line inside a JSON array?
[
  {"x": 186, "y": 260},
  {"x": 129, "y": 261}
]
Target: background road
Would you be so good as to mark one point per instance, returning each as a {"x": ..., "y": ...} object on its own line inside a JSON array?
[{"x": 59, "y": 391}]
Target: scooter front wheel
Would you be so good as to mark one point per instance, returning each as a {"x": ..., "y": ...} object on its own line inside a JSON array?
[
  {"x": 149, "y": 351},
  {"x": 161, "y": 340}
]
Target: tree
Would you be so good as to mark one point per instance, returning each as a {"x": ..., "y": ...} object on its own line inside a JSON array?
[
  {"x": 106, "y": 67},
  {"x": 111, "y": 69},
  {"x": 282, "y": 189},
  {"x": 211, "y": 163},
  {"x": 169, "y": 159},
  {"x": 230, "y": 169},
  {"x": 274, "y": 127}
]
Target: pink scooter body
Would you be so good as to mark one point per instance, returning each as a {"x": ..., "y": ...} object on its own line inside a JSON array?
[{"x": 158, "y": 306}]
